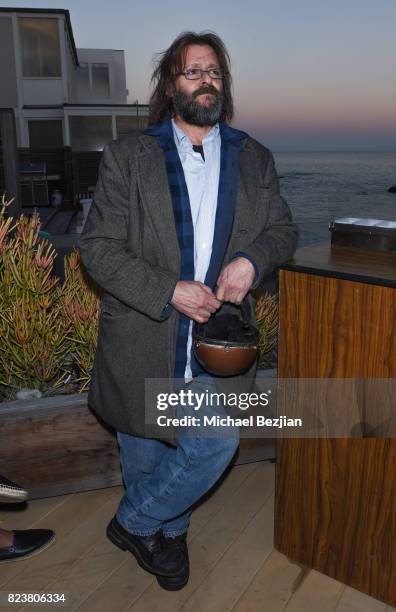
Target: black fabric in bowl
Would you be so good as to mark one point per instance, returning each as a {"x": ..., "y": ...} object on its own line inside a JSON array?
[{"x": 226, "y": 328}]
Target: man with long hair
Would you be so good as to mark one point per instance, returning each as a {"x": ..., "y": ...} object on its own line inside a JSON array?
[{"x": 187, "y": 216}]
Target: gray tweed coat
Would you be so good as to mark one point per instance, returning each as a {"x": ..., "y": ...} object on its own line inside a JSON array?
[{"x": 129, "y": 247}]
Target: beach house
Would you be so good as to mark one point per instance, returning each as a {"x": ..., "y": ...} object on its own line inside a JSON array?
[
  {"x": 61, "y": 95},
  {"x": 59, "y": 106}
]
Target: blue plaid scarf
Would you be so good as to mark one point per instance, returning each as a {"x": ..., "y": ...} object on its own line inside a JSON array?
[{"x": 231, "y": 144}]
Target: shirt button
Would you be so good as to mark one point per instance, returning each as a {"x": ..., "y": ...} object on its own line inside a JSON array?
[{"x": 204, "y": 245}]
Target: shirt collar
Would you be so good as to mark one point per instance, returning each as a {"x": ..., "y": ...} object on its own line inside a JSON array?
[{"x": 183, "y": 141}]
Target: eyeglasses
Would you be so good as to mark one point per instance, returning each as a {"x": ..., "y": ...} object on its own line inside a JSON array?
[{"x": 193, "y": 74}]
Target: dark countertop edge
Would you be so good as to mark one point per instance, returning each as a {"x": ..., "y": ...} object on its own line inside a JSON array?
[{"x": 358, "y": 278}]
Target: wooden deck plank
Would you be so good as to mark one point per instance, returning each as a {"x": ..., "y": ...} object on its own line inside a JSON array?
[
  {"x": 62, "y": 519},
  {"x": 222, "y": 587},
  {"x": 316, "y": 592},
  {"x": 355, "y": 601},
  {"x": 26, "y": 515},
  {"x": 81, "y": 532},
  {"x": 220, "y": 494},
  {"x": 84, "y": 575},
  {"x": 212, "y": 542},
  {"x": 127, "y": 582},
  {"x": 273, "y": 585}
]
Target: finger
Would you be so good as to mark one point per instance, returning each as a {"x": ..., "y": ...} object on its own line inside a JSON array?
[
  {"x": 235, "y": 297},
  {"x": 213, "y": 301},
  {"x": 220, "y": 293},
  {"x": 202, "y": 317},
  {"x": 220, "y": 279},
  {"x": 216, "y": 302},
  {"x": 206, "y": 289},
  {"x": 212, "y": 308},
  {"x": 240, "y": 296}
]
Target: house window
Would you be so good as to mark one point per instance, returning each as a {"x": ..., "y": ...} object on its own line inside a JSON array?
[
  {"x": 90, "y": 133},
  {"x": 82, "y": 78},
  {"x": 40, "y": 47},
  {"x": 93, "y": 81},
  {"x": 45, "y": 134},
  {"x": 100, "y": 81}
]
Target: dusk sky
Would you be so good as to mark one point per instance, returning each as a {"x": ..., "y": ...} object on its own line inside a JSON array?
[{"x": 308, "y": 75}]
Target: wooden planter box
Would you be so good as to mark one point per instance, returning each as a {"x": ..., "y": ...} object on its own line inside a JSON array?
[{"x": 57, "y": 445}]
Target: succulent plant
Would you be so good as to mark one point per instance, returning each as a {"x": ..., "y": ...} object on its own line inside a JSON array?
[
  {"x": 81, "y": 308},
  {"x": 32, "y": 329}
]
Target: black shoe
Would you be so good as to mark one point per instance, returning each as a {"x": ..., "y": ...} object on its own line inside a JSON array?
[
  {"x": 10, "y": 492},
  {"x": 147, "y": 550},
  {"x": 178, "y": 543},
  {"x": 26, "y": 544}
]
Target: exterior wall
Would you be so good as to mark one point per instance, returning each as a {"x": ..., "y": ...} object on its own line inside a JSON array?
[
  {"x": 117, "y": 77},
  {"x": 8, "y": 82},
  {"x": 70, "y": 68},
  {"x": 42, "y": 91}
]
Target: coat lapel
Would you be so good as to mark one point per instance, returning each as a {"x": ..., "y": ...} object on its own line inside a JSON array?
[
  {"x": 231, "y": 145},
  {"x": 154, "y": 189}
]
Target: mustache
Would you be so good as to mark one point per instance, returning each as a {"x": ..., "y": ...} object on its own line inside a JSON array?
[{"x": 208, "y": 89}]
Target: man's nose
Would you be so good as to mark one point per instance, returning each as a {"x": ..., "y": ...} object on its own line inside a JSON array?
[{"x": 206, "y": 78}]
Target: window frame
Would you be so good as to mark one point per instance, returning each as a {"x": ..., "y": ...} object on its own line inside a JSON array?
[
  {"x": 22, "y": 43},
  {"x": 91, "y": 94}
]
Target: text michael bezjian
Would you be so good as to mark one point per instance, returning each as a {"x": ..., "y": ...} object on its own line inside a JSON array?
[{"x": 228, "y": 421}]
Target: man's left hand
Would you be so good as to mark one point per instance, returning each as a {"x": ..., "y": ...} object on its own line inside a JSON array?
[{"x": 235, "y": 280}]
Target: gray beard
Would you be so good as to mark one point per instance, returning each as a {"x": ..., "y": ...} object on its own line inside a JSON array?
[{"x": 193, "y": 112}]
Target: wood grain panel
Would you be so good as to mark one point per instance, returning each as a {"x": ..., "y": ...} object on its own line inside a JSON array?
[
  {"x": 57, "y": 447},
  {"x": 335, "y": 328},
  {"x": 336, "y": 498}
]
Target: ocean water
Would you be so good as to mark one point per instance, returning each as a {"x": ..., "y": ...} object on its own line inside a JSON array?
[{"x": 320, "y": 187}]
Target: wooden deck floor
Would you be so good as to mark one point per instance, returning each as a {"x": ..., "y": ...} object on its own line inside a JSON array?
[{"x": 233, "y": 564}]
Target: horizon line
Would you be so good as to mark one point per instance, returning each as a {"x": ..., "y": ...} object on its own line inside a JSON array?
[{"x": 333, "y": 150}]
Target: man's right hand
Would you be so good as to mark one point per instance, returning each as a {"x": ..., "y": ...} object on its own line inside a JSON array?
[{"x": 195, "y": 300}]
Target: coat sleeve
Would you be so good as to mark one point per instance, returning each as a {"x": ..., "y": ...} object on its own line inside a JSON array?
[
  {"x": 278, "y": 240},
  {"x": 104, "y": 251}
]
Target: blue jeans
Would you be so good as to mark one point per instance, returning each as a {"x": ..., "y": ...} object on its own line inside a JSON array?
[{"x": 163, "y": 482}]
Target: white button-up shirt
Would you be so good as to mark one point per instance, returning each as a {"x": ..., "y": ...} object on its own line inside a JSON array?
[{"x": 202, "y": 180}]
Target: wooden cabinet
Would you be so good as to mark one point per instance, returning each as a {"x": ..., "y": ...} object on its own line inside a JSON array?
[{"x": 335, "y": 507}]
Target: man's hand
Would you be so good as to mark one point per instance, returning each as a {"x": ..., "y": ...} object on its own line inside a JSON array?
[
  {"x": 195, "y": 300},
  {"x": 235, "y": 280}
]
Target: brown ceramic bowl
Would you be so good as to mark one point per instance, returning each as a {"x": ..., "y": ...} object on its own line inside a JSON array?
[
  {"x": 224, "y": 360},
  {"x": 227, "y": 344}
]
